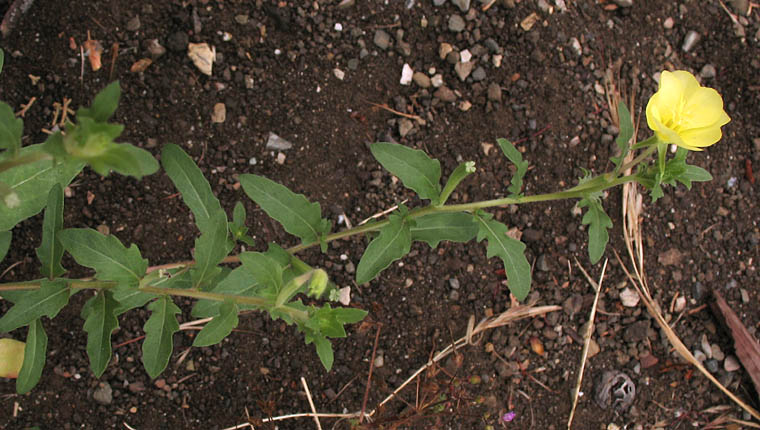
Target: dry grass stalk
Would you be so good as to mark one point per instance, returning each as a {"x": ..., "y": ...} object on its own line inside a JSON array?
[
  {"x": 311, "y": 403},
  {"x": 586, "y": 337}
]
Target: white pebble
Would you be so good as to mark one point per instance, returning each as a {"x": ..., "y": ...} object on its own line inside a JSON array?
[
  {"x": 338, "y": 26},
  {"x": 406, "y": 75},
  {"x": 630, "y": 298},
  {"x": 465, "y": 55}
]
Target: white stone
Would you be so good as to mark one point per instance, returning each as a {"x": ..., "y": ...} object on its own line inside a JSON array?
[
  {"x": 465, "y": 55},
  {"x": 630, "y": 298},
  {"x": 437, "y": 80},
  {"x": 340, "y": 74},
  {"x": 406, "y": 75}
]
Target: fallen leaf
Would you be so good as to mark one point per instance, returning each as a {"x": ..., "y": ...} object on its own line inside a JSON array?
[{"x": 140, "y": 65}]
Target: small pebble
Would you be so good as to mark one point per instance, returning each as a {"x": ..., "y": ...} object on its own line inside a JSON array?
[
  {"x": 690, "y": 41},
  {"x": 668, "y": 24},
  {"x": 456, "y": 23},
  {"x": 708, "y": 71},
  {"x": 406, "y": 75},
  {"x": 630, "y": 298},
  {"x": 731, "y": 364},
  {"x": 712, "y": 365}
]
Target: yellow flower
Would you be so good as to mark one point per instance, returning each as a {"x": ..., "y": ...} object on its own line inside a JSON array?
[{"x": 684, "y": 113}]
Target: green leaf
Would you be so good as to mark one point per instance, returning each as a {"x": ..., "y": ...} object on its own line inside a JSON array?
[
  {"x": 239, "y": 282},
  {"x": 349, "y": 315},
  {"x": 210, "y": 249},
  {"x": 51, "y": 250},
  {"x": 159, "y": 330},
  {"x": 451, "y": 226},
  {"x": 124, "y": 159},
  {"x": 48, "y": 300},
  {"x": 394, "y": 241},
  {"x": 238, "y": 215},
  {"x": 324, "y": 351},
  {"x": 265, "y": 270},
  {"x": 598, "y": 222},
  {"x": 462, "y": 171},
  {"x": 5, "y": 243},
  {"x": 219, "y": 327},
  {"x": 2, "y": 59},
  {"x": 693, "y": 174},
  {"x": 514, "y": 155},
  {"x": 99, "y": 314},
  {"x": 32, "y": 182},
  {"x": 110, "y": 259},
  {"x": 416, "y": 170},
  {"x": 129, "y": 297},
  {"x": 11, "y": 130},
  {"x": 297, "y": 215},
  {"x": 625, "y": 135},
  {"x": 34, "y": 357},
  {"x": 511, "y": 252},
  {"x": 104, "y": 104},
  {"x": 195, "y": 189}
]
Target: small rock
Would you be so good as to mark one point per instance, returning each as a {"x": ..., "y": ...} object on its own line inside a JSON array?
[
  {"x": 690, "y": 41},
  {"x": 706, "y": 347},
  {"x": 202, "y": 55},
  {"x": 465, "y": 56},
  {"x": 276, "y": 143},
  {"x": 345, "y": 4},
  {"x": 630, "y": 298},
  {"x": 712, "y": 365},
  {"x": 648, "y": 360},
  {"x": 382, "y": 39},
  {"x": 445, "y": 94},
  {"x": 479, "y": 74},
  {"x": 340, "y": 74},
  {"x": 530, "y": 20},
  {"x": 456, "y": 23},
  {"x": 136, "y": 387},
  {"x": 280, "y": 158},
  {"x": 668, "y": 23},
  {"x": 454, "y": 283},
  {"x": 573, "y": 304},
  {"x": 406, "y": 75},
  {"x": 437, "y": 80},
  {"x": 465, "y": 105},
  {"x": 219, "y": 114},
  {"x": 745, "y": 296},
  {"x": 463, "y": 70},
  {"x": 731, "y": 364},
  {"x": 717, "y": 353},
  {"x": 624, "y": 3},
  {"x": 741, "y": 6},
  {"x": 708, "y": 71},
  {"x": 155, "y": 49},
  {"x": 178, "y": 41},
  {"x": 542, "y": 264},
  {"x": 454, "y": 295},
  {"x": 670, "y": 257},
  {"x": 680, "y": 304},
  {"x": 593, "y": 348},
  {"x": 379, "y": 361},
  {"x": 422, "y": 80},
  {"x": 636, "y": 332},
  {"x": 438, "y": 3},
  {"x": 134, "y": 23},
  {"x": 444, "y": 49},
  {"x": 405, "y": 125},
  {"x": 494, "y": 92},
  {"x": 463, "y": 5},
  {"x": 104, "y": 394},
  {"x": 241, "y": 19}
]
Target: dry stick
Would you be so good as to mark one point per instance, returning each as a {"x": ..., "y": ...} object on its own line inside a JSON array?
[
  {"x": 393, "y": 111},
  {"x": 586, "y": 337},
  {"x": 630, "y": 226},
  {"x": 369, "y": 377},
  {"x": 114, "y": 56},
  {"x": 311, "y": 402}
]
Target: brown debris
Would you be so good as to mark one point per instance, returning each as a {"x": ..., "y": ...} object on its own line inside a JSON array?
[
  {"x": 140, "y": 65},
  {"x": 93, "y": 49}
]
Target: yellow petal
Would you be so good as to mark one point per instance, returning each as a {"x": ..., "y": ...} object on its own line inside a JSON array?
[
  {"x": 701, "y": 137},
  {"x": 703, "y": 108},
  {"x": 670, "y": 95},
  {"x": 688, "y": 82}
]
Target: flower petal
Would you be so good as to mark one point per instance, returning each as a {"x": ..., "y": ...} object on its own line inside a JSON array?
[
  {"x": 704, "y": 107},
  {"x": 688, "y": 82},
  {"x": 701, "y": 137}
]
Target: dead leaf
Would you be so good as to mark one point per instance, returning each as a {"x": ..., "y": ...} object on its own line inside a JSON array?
[{"x": 140, "y": 65}]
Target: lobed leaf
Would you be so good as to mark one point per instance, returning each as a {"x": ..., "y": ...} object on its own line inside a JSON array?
[
  {"x": 104, "y": 104},
  {"x": 239, "y": 282},
  {"x": 32, "y": 183},
  {"x": 48, "y": 300},
  {"x": 99, "y": 313},
  {"x": 599, "y": 223},
  {"x": 159, "y": 330},
  {"x": 34, "y": 357},
  {"x": 509, "y": 250},
  {"x": 124, "y": 159},
  {"x": 514, "y": 155},
  {"x": 324, "y": 351},
  {"x": 5, "y": 243},
  {"x": 451, "y": 226},
  {"x": 193, "y": 186},
  {"x": 219, "y": 327},
  {"x": 51, "y": 250},
  {"x": 416, "y": 170},
  {"x": 266, "y": 271},
  {"x": 105, "y": 254},
  {"x": 297, "y": 215},
  {"x": 393, "y": 242}
]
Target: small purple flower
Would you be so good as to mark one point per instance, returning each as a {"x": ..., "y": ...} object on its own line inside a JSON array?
[{"x": 509, "y": 416}]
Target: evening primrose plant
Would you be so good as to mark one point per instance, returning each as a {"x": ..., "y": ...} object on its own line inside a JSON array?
[{"x": 276, "y": 281}]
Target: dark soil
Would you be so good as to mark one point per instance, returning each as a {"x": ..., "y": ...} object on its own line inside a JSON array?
[{"x": 276, "y": 74}]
